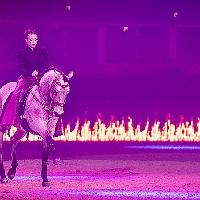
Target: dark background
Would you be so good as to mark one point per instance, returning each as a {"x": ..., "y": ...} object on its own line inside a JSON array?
[{"x": 138, "y": 77}]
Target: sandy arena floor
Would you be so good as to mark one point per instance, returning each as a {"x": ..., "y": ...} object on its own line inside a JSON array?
[{"x": 141, "y": 175}]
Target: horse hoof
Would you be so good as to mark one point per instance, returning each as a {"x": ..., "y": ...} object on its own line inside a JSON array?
[
  {"x": 45, "y": 183},
  {"x": 57, "y": 161},
  {"x": 4, "y": 180},
  {"x": 11, "y": 173}
]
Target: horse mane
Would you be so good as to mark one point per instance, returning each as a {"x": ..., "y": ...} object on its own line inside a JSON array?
[
  {"x": 54, "y": 69},
  {"x": 46, "y": 77},
  {"x": 47, "y": 70}
]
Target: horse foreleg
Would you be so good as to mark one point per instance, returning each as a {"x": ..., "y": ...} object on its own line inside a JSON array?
[
  {"x": 14, "y": 140},
  {"x": 45, "y": 155},
  {"x": 51, "y": 143},
  {"x": 2, "y": 170}
]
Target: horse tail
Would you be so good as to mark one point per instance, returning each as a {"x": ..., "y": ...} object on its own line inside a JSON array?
[{"x": 5, "y": 92}]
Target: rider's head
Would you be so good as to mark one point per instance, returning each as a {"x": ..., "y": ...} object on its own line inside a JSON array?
[{"x": 31, "y": 38}]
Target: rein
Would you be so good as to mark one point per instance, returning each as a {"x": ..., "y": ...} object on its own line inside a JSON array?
[
  {"x": 42, "y": 104},
  {"x": 49, "y": 109}
]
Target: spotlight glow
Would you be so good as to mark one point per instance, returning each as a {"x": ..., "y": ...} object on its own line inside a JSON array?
[
  {"x": 69, "y": 177},
  {"x": 175, "y": 14},
  {"x": 119, "y": 193},
  {"x": 68, "y": 7},
  {"x": 125, "y": 28},
  {"x": 105, "y": 193}
]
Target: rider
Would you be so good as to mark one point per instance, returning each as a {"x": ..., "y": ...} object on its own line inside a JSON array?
[{"x": 32, "y": 61}]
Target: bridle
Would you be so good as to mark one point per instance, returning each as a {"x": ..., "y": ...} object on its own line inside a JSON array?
[
  {"x": 52, "y": 89},
  {"x": 52, "y": 103}
]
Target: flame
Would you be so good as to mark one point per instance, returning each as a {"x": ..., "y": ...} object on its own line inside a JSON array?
[{"x": 121, "y": 131}]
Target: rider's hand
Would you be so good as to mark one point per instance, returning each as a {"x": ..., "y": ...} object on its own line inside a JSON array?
[{"x": 35, "y": 73}]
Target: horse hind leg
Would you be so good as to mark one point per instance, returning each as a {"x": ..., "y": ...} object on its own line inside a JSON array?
[
  {"x": 14, "y": 140},
  {"x": 12, "y": 171},
  {"x": 14, "y": 163},
  {"x": 2, "y": 170}
]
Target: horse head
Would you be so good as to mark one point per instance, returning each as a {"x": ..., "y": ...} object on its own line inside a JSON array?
[{"x": 55, "y": 87}]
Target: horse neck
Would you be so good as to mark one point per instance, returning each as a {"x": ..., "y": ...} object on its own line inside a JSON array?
[{"x": 45, "y": 82}]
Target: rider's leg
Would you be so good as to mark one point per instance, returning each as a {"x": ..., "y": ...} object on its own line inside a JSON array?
[{"x": 25, "y": 85}]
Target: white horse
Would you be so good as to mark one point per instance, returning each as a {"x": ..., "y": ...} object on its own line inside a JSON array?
[{"x": 42, "y": 108}]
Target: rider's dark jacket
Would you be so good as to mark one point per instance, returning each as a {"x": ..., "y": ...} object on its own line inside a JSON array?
[{"x": 31, "y": 60}]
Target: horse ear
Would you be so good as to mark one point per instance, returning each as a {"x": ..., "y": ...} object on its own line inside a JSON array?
[
  {"x": 56, "y": 72},
  {"x": 58, "y": 75}
]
